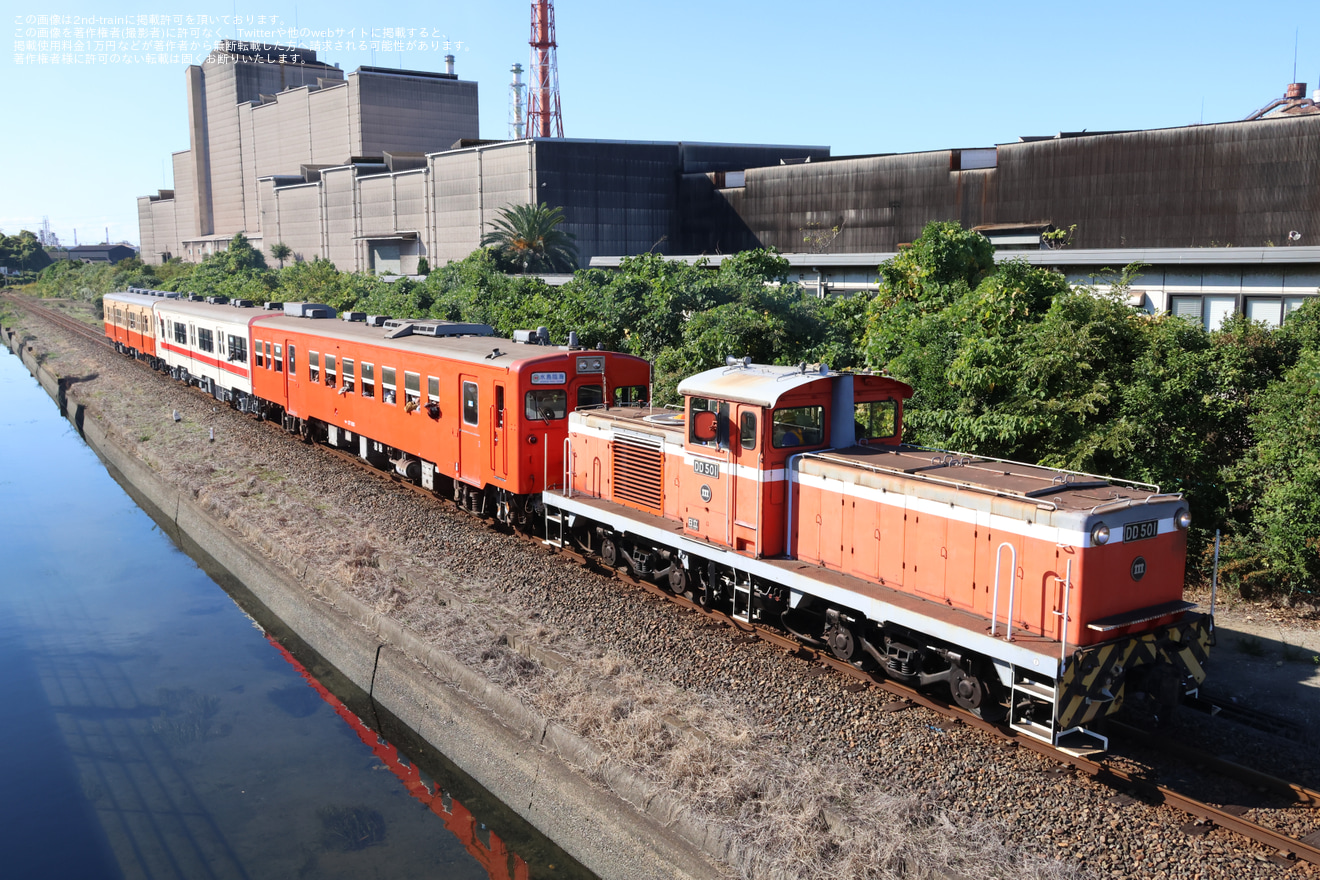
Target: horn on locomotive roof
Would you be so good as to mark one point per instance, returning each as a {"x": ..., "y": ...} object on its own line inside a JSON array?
[{"x": 731, "y": 361}]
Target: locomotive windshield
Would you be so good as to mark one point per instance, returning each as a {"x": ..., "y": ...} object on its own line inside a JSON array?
[
  {"x": 876, "y": 419},
  {"x": 799, "y": 426}
]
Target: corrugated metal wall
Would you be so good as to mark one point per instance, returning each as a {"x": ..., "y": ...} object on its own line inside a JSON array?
[
  {"x": 413, "y": 113},
  {"x": 456, "y": 201},
  {"x": 299, "y": 222},
  {"x": 376, "y": 205},
  {"x": 331, "y": 144},
  {"x": 340, "y": 225},
  {"x": 147, "y": 231},
  {"x": 185, "y": 195},
  {"x": 410, "y": 202}
]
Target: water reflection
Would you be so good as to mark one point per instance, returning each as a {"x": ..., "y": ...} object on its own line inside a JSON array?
[{"x": 152, "y": 731}]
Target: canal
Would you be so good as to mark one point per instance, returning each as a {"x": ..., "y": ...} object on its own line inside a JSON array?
[{"x": 160, "y": 723}]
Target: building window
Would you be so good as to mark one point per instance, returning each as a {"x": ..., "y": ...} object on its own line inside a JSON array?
[
  {"x": 314, "y": 366},
  {"x": 387, "y": 386},
  {"x": 205, "y": 342},
  {"x": 1208, "y": 311}
]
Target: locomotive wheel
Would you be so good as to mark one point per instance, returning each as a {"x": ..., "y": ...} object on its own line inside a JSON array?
[
  {"x": 609, "y": 551},
  {"x": 841, "y": 641},
  {"x": 976, "y": 692},
  {"x": 678, "y": 580}
]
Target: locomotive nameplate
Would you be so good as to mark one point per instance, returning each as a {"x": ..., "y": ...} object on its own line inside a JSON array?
[
  {"x": 706, "y": 468},
  {"x": 693, "y": 525},
  {"x": 549, "y": 378},
  {"x": 1139, "y": 531}
]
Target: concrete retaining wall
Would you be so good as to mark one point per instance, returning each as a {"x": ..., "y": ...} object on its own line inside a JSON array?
[{"x": 634, "y": 830}]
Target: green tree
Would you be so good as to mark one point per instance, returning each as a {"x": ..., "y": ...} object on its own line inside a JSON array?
[
  {"x": 281, "y": 252},
  {"x": 528, "y": 239}
]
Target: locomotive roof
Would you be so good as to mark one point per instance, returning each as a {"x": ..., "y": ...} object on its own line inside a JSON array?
[
  {"x": 472, "y": 349},
  {"x": 757, "y": 384}
]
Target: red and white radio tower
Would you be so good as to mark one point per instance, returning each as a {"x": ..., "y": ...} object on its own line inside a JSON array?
[{"x": 543, "y": 116}]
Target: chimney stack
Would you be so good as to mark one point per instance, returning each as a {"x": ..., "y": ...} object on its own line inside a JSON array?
[
  {"x": 1296, "y": 91},
  {"x": 449, "y": 67}
]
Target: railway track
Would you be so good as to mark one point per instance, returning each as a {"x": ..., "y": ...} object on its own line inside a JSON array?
[{"x": 1287, "y": 850}]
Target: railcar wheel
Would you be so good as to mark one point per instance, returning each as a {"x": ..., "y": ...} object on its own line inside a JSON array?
[
  {"x": 609, "y": 551},
  {"x": 977, "y": 691}
]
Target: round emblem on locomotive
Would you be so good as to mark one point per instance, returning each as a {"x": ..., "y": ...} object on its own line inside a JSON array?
[
  {"x": 705, "y": 493},
  {"x": 1138, "y": 568}
]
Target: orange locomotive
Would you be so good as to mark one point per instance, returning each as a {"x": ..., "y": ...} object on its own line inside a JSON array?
[
  {"x": 448, "y": 405},
  {"x": 784, "y": 495}
]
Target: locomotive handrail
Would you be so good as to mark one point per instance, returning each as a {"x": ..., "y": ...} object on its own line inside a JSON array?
[
  {"x": 1012, "y": 583},
  {"x": 1003, "y": 493},
  {"x": 1121, "y": 503},
  {"x": 1151, "y": 487}
]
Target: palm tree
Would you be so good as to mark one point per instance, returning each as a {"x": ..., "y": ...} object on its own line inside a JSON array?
[
  {"x": 280, "y": 252},
  {"x": 526, "y": 237}
]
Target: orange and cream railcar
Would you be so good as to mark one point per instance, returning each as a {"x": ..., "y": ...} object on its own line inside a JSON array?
[
  {"x": 448, "y": 405},
  {"x": 129, "y": 323},
  {"x": 205, "y": 343},
  {"x": 784, "y": 495}
]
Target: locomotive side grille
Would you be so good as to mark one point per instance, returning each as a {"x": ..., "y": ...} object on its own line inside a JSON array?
[{"x": 638, "y": 475}]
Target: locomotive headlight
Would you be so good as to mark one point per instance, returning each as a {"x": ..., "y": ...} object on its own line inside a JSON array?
[
  {"x": 1183, "y": 518},
  {"x": 1100, "y": 534}
]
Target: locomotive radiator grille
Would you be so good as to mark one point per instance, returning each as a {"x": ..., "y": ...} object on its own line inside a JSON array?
[{"x": 639, "y": 475}]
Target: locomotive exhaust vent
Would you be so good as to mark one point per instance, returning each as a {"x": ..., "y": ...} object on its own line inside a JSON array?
[{"x": 639, "y": 475}]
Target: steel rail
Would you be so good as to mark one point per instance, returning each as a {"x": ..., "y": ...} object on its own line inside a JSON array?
[{"x": 1288, "y": 848}]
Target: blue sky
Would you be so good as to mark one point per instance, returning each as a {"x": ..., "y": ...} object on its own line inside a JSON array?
[{"x": 81, "y": 142}]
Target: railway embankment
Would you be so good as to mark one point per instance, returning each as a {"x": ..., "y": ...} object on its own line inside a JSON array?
[{"x": 646, "y": 741}]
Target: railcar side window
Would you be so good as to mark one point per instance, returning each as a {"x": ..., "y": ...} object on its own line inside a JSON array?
[
  {"x": 238, "y": 349},
  {"x": 630, "y": 395},
  {"x": 412, "y": 387},
  {"x": 747, "y": 430},
  {"x": 330, "y": 369},
  {"x": 278, "y": 360},
  {"x": 270, "y": 359},
  {"x": 180, "y": 333},
  {"x": 876, "y": 420},
  {"x": 546, "y": 404},
  {"x": 432, "y": 389},
  {"x": 387, "y": 387},
  {"x": 590, "y": 395},
  {"x": 349, "y": 381},
  {"x": 204, "y": 340},
  {"x": 132, "y": 321},
  {"x": 799, "y": 426},
  {"x": 293, "y": 361},
  {"x": 314, "y": 366},
  {"x": 471, "y": 414},
  {"x": 258, "y": 358},
  {"x": 368, "y": 379}
]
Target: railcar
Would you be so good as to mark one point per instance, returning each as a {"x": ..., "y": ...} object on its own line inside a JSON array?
[
  {"x": 206, "y": 343},
  {"x": 784, "y": 495},
  {"x": 129, "y": 324},
  {"x": 447, "y": 405}
]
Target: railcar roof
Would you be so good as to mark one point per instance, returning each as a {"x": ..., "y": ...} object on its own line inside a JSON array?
[
  {"x": 470, "y": 349},
  {"x": 209, "y": 311},
  {"x": 757, "y": 384},
  {"x": 137, "y": 299},
  {"x": 1062, "y": 489}
]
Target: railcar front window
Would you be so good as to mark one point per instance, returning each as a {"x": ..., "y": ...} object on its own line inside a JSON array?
[
  {"x": 590, "y": 395},
  {"x": 799, "y": 426},
  {"x": 875, "y": 420},
  {"x": 630, "y": 395},
  {"x": 349, "y": 381},
  {"x": 546, "y": 404}
]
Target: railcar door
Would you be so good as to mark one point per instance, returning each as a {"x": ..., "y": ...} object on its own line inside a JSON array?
[
  {"x": 499, "y": 449},
  {"x": 469, "y": 431},
  {"x": 291, "y": 396}
]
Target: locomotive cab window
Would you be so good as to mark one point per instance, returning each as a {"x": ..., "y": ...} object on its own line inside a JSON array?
[
  {"x": 471, "y": 413},
  {"x": 708, "y": 422},
  {"x": 330, "y": 370},
  {"x": 590, "y": 395},
  {"x": 546, "y": 404},
  {"x": 630, "y": 395},
  {"x": 876, "y": 420},
  {"x": 349, "y": 382},
  {"x": 799, "y": 426},
  {"x": 387, "y": 386},
  {"x": 747, "y": 430},
  {"x": 368, "y": 379},
  {"x": 314, "y": 366}
]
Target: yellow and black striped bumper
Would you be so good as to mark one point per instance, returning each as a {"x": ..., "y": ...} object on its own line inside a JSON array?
[{"x": 1093, "y": 682}]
